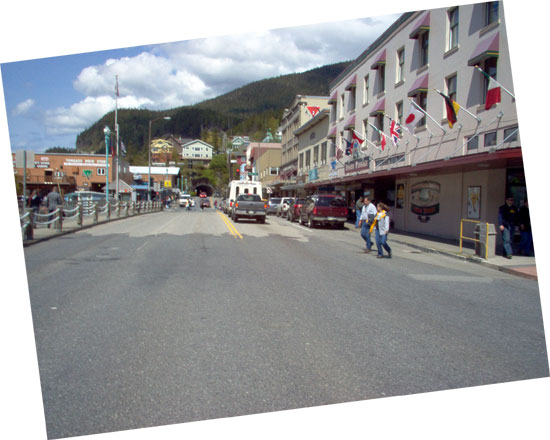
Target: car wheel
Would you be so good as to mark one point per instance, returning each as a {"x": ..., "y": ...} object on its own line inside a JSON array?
[
  {"x": 310, "y": 223},
  {"x": 235, "y": 218}
]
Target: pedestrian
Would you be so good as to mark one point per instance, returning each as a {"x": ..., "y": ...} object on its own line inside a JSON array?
[
  {"x": 524, "y": 221},
  {"x": 507, "y": 219},
  {"x": 368, "y": 213},
  {"x": 381, "y": 225},
  {"x": 34, "y": 201},
  {"x": 53, "y": 201},
  {"x": 358, "y": 209}
]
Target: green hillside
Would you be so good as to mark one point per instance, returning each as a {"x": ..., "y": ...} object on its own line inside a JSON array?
[{"x": 249, "y": 110}]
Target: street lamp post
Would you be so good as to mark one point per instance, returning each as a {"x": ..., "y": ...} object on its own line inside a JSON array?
[
  {"x": 107, "y": 132},
  {"x": 167, "y": 118}
]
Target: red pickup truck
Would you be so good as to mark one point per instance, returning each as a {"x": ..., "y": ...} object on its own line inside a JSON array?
[{"x": 324, "y": 209}]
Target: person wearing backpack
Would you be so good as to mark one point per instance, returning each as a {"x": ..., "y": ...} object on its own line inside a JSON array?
[
  {"x": 368, "y": 213},
  {"x": 381, "y": 225}
]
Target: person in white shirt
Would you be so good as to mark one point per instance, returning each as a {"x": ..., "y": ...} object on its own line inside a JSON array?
[{"x": 368, "y": 213}]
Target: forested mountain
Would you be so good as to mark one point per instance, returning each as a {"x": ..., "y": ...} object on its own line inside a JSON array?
[{"x": 249, "y": 111}]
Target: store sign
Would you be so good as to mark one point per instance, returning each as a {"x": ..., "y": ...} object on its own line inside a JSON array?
[
  {"x": 357, "y": 165},
  {"x": 313, "y": 174},
  {"x": 79, "y": 162},
  {"x": 425, "y": 200}
]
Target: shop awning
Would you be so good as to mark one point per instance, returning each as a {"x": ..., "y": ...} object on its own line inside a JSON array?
[
  {"x": 333, "y": 98},
  {"x": 420, "y": 85},
  {"x": 350, "y": 123},
  {"x": 332, "y": 132},
  {"x": 379, "y": 60},
  {"x": 378, "y": 108},
  {"x": 487, "y": 48},
  {"x": 421, "y": 26},
  {"x": 352, "y": 83}
]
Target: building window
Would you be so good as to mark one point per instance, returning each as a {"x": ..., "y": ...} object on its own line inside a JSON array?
[
  {"x": 332, "y": 149},
  {"x": 453, "y": 28},
  {"x": 399, "y": 111},
  {"x": 378, "y": 123},
  {"x": 472, "y": 143},
  {"x": 366, "y": 91},
  {"x": 301, "y": 160},
  {"x": 490, "y": 139},
  {"x": 491, "y": 13},
  {"x": 274, "y": 171},
  {"x": 511, "y": 134},
  {"x": 351, "y": 103},
  {"x": 308, "y": 158},
  {"x": 323, "y": 153},
  {"x": 424, "y": 45},
  {"x": 342, "y": 106},
  {"x": 382, "y": 77},
  {"x": 316, "y": 155},
  {"x": 400, "y": 65},
  {"x": 101, "y": 171}
]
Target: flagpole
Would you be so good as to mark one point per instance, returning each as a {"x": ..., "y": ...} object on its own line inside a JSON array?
[
  {"x": 116, "y": 129},
  {"x": 428, "y": 115},
  {"x": 490, "y": 78},
  {"x": 477, "y": 118}
]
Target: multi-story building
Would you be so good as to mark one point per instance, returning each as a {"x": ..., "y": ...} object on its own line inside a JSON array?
[
  {"x": 303, "y": 109},
  {"x": 196, "y": 152},
  {"x": 436, "y": 175},
  {"x": 314, "y": 162},
  {"x": 74, "y": 172}
]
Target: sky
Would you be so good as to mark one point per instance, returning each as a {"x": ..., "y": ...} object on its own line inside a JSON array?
[
  {"x": 49, "y": 101},
  {"x": 39, "y": 97}
]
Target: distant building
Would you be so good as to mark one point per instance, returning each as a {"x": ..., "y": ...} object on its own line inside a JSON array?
[{"x": 196, "y": 152}]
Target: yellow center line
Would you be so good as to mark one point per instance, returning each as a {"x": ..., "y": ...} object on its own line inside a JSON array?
[{"x": 230, "y": 226}]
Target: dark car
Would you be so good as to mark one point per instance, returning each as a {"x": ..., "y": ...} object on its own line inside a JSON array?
[
  {"x": 325, "y": 209},
  {"x": 205, "y": 203},
  {"x": 293, "y": 212},
  {"x": 272, "y": 204}
]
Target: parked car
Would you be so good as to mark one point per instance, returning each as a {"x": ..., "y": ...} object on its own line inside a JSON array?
[
  {"x": 282, "y": 207},
  {"x": 272, "y": 205},
  {"x": 325, "y": 209},
  {"x": 293, "y": 212},
  {"x": 249, "y": 206}
]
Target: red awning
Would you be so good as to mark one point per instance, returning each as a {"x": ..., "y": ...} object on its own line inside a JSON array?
[
  {"x": 350, "y": 123},
  {"x": 333, "y": 98},
  {"x": 378, "y": 108},
  {"x": 379, "y": 60},
  {"x": 420, "y": 85},
  {"x": 487, "y": 48},
  {"x": 421, "y": 26},
  {"x": 332, "y": 132},
  {"x": 352, "y": 83}
]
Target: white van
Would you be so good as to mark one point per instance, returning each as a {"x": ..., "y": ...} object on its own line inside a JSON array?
[{"x": 237, "y": 187}]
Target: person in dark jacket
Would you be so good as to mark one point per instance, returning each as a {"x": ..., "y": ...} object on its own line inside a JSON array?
[
  {"x": 507, "y": 220},
  {"x": 524, "y": 221}
]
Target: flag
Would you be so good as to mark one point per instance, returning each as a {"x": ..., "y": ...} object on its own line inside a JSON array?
[
  {"x": 339, "y": 153},
  {"x": 382, "y": 140},
  {"x": 357, "y": 137},
  {"x": 122, "y": 148},
  {"x": 348, "y": 147},
  {"x": 414, "y": 117},
  {"x": 452, "y": 107},
  {"x": 493, "y": 93},
  {"x": 313, "y": 111},
  {"x": 395, "y": 131}
]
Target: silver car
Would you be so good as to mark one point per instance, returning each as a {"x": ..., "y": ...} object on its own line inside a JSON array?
[
  {"x": 272, "y": 205},
  {"x": 282, "y": 207}
]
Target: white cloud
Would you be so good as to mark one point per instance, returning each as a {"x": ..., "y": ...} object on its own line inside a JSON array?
[
  {"x": 184, "y": 73},
  {"x": 23, "y": 107}
]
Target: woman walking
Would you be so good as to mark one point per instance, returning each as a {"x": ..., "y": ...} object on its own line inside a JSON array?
[{"x": 381, "y": 225}]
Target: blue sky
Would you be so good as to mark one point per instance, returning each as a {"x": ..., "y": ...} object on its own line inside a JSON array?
[{"x": 50, "y": 100}]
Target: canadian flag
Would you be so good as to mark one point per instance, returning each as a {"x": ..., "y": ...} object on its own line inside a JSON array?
[{"x": 414, "y": 117}]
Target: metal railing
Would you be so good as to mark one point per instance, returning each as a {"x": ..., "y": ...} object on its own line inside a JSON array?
[
  {"x": 485, "y": 242},
  {"x": 82, "y": 213}
]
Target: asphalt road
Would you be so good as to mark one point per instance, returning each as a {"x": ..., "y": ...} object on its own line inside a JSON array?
[{"x": 180, "y": 316}]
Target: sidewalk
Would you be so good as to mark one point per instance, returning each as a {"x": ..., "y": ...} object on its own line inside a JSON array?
[{"x": 519, "y": 265}]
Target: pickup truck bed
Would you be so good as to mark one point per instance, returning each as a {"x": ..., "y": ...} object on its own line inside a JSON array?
[{"x": 249, "y": 206}]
